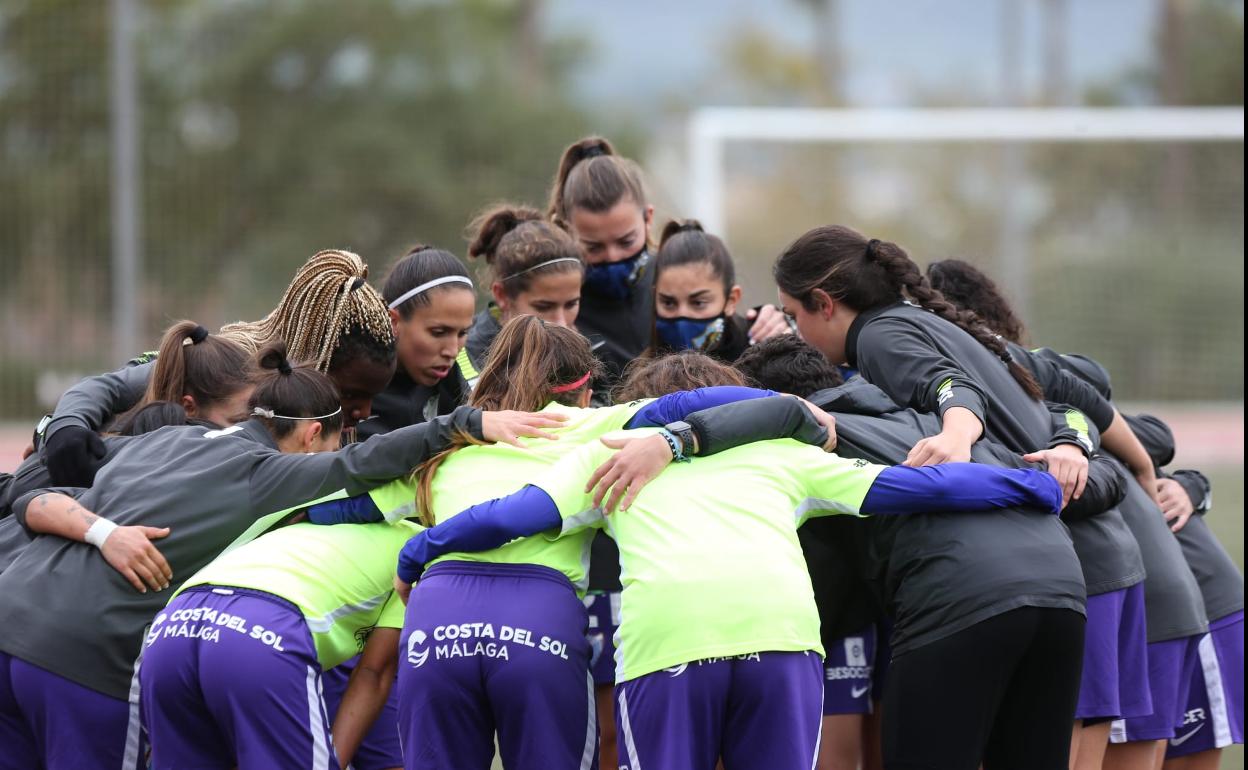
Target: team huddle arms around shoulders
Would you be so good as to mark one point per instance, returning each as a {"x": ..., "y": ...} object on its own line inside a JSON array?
[{"x": 613, "y": 519}]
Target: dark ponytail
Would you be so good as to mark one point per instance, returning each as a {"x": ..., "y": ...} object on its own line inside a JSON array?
[
  {"x": 866, "y": 274},
  {"x": 286, "y": 393},
  {"x": 593, "y": 177},
  {"x": 519, "y": 244},
  {"x": 207, "y": 367},
  {"x": 684, "y": 242},
  {"x": 971, "y": 289}
]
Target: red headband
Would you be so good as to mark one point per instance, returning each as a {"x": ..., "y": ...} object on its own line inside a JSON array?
[{"x": 571, "y": 385}]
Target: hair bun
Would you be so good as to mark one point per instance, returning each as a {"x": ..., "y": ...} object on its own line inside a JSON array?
[{"x": 677, "y": 226}]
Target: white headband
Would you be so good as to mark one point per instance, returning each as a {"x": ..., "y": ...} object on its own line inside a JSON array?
[
  {"x": 260, "y": 411},
  {"x": 543, "y": 264},
  {"x": 429, "y": 285}
]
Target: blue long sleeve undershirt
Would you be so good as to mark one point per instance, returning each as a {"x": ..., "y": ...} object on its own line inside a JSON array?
[
  {"x": 659, "y": 412},
  {"x": 898, "y": 490}
]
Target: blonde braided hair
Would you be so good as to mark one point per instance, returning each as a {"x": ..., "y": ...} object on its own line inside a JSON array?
[{"x": 327, "y": 298}]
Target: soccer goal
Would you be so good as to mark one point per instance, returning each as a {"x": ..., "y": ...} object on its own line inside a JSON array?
[{"x": 1117, "y": 231}]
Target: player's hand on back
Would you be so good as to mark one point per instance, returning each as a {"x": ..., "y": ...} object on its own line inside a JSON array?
[
  {"x": 938, "y": 450},
  {"x": 402, "y": 588},
  {"x": 619, "y": 480},
  {"x": 1066, "y": 463},
  {"x": 130, "y": 551},
  {"x": 508, "y": 426},
  {"x": 1176, "y": 505},
  {"x": 824, "y": 419}
]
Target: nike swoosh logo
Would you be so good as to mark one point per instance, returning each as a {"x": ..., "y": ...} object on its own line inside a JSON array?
[
  {"x": 857, "y": 692},
  {"x": 597, "y": 344},
  {"x": 677, "y": 670},
  {"x": 1183, "y": 739}
]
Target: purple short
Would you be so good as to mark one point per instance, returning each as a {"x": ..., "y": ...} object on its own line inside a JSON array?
[
  {"x": 1114, "y": 683},
  {"x": 1171, "y": 665},
  {"x": 1214, "y": 717},
  {"x": 760, "y": 710},
  {"x": 496, "y": 648},
  {"x": 380, "y": 748},
  {"x": 604, "y": 619},
  {"x": 847, "y": 674},
  {"x": 230, "y": 677},
  {"x": 47, "y": 721}
]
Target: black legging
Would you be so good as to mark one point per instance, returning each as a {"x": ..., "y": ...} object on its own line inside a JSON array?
[{"x": 1002, "y": 692}]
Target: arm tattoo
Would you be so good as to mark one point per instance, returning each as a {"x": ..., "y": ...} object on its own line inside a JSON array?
[{"x": 88, "y": 517}]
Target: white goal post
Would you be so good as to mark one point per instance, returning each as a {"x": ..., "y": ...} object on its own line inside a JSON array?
[{"x": 709, "y": 129}]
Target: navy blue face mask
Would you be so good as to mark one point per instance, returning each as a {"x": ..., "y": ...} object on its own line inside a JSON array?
[
  {"x": 689, "y": 333},
  {"x": 616, "y": 279}
]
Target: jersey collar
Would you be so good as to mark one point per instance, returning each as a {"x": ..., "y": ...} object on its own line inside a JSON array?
[{"x": 856, "y": 327}]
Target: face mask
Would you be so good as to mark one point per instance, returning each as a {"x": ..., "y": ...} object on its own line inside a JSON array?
[
  {"x": 689, "y": 333},
  {"x": 615, "y": 279}
]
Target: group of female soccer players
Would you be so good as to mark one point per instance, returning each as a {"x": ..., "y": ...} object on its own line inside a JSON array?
[{"x": 613, "y": 519}]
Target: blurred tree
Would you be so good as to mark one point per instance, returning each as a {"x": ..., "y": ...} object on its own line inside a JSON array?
[
  {"x": 1167, "y": 269},
  {"x": 270, "y": 130},
  {"x": 369, "y": 126}
]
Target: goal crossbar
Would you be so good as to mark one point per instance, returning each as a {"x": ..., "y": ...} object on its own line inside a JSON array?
[{"x": 709, "y": 129}]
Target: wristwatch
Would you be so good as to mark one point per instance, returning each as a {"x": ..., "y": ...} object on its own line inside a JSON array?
[{"x": 683, "y": 431}]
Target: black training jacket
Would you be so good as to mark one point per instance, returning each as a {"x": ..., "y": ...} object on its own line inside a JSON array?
[
  {"x": 405, "y": 402},
  {"x": 618, "y": 330}
]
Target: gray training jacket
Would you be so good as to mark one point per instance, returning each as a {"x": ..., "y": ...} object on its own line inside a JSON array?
[
  {"x": 922, "y": 361},
  {"x": 942, "y": 573},
  {"x": 64, "y": 609},
  {"x": 1220, "y": 582},
  {"x": 95, "y": 401}
]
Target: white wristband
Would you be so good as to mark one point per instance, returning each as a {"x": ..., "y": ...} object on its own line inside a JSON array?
[{"x": 99, "y": 531}]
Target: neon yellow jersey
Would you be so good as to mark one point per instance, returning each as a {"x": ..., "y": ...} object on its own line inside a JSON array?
[
  {"x": 341, "y": 578},
  {"x": 711, "y": 564},
  {"x": 476, "y": 474}
]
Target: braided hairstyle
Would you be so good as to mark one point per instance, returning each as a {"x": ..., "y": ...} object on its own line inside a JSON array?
[
  {"x": 327, "y": 305},
  {"x": 969, "y": 288},
  {"x": 517, "y": 242},
  {"x": 866, "y": 274}
]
